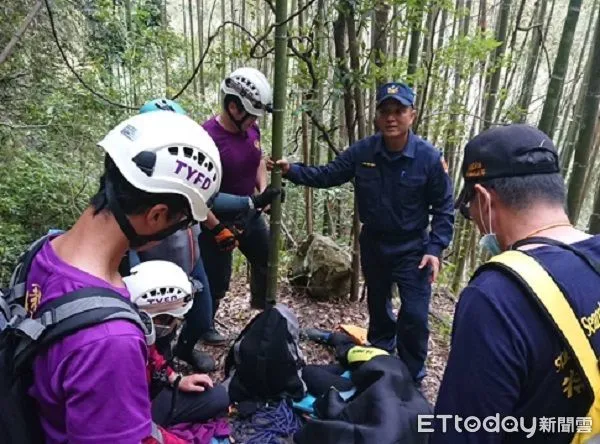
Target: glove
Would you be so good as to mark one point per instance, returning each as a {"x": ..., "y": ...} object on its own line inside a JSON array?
[
  {"x": 266, "y": 197},
  {"x": 224, "y": 238}
]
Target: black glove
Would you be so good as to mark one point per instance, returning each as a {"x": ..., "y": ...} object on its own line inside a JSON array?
[{"x": 266, "y": 197}]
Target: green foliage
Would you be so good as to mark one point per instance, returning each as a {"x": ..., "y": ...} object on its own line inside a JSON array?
[{"x": 39, "y": 191}]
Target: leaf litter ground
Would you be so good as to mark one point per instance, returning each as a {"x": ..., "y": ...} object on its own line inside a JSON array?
[{"x": 235, "y": 312}]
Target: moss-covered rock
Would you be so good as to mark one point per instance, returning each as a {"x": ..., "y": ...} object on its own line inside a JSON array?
[{"x": 322, "y": 267}]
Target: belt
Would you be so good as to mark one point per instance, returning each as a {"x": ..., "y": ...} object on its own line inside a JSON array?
[{"x": 394, "y": 236}]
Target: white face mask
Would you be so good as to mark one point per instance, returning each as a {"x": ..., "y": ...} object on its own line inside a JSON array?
[{"x": 489, "y": 241}]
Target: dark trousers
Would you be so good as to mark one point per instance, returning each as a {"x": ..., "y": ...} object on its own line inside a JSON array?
[
  {"x": 199, "y": 319},
  {"x": 189, "y": 406},
  {"x": 254, "y": 245},
  {"x": 396, "y": 262}
]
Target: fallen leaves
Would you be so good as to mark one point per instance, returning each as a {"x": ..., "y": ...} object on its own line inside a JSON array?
[{"x": 235, "y": 312}]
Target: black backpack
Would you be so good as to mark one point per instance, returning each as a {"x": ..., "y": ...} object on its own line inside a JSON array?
[
  {"x": 265, "y": 362},
  {"x": 22, "y": 337}
]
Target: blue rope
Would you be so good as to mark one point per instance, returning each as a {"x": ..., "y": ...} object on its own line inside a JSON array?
[{"x": 269, "y": 424}]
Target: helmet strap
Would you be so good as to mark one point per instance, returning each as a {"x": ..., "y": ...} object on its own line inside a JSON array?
[
  {"x": 136, "y": 240},
  {"x": 237, "y": 122}
]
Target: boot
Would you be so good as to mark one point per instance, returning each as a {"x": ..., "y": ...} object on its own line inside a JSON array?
[
  {"x": 200, "y": 361},
  {"x": 316, "y": 334},
  {"x": 213, "y": 337}
]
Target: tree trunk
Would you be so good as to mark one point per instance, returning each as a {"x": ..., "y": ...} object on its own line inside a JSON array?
[
  {"x": 132, "y": 82},
  {"x": 569, "y": 127},
  {"x": 200, "y": 18},
  {"x": 566, "y": 156},
  {"x": 233, "y": 19},
  {"x": 586, "y": 132},
  {"x": 308, "y": 194},
  {"x": 223, "y": 48},
  {"x": 561, "y": 64},
  {"x": 339, "y": 31},
  {"x": 428, "y": 56},
  {"x": 529, "y": 76},
  {"x": 165, "y": 26},
  {"x": 380, "y": 54},
  {"x": 436, "y": 81},
  {"x": 466, "y": 235},
  {"x": 395, "y": 19},
  {"x": 279, "y": 99},
  {"x": 451, "y": 140},
  {"x": 243, "y": 15},
  {"x": 185, "y": 40},
  {"x": 416, "y": 18},
  {"x": 360, "y": 117},
  {"x": 191, "y": 14},
  {"x": 494, "y": 79},
  {"x": 591, "y": 173},
  {"x": 329, "y": 204}
]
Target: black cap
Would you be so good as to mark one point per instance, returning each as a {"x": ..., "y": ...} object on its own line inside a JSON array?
[{"x": 506, "y": 151}]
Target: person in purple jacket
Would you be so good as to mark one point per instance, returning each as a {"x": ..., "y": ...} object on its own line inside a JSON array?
[
  {"x": 160, "y": 171},
  {"x": 247, "y": 96}
]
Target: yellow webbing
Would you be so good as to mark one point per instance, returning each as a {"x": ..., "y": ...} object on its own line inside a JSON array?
[{"x": 557, "y": 306}]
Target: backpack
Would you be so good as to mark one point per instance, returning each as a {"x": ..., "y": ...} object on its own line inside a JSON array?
[
  {"x": 265, "y": 361},
  {"x": 22, "y": 337}
]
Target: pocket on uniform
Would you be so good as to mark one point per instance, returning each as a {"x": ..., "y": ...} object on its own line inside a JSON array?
[
  {"x": 368, "y": 190},
  {"x": 410, "y": 192}
]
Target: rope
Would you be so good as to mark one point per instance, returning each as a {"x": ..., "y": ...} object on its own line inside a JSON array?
[{"x": 268, "y": 425}]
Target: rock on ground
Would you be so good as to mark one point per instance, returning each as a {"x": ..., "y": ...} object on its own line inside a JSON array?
[{"x": 322, "y": 267}]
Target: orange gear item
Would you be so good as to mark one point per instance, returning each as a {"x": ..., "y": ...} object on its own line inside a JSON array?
[
  {"x": 358, "y": 334},
  {"x": 226, "y": 240}
]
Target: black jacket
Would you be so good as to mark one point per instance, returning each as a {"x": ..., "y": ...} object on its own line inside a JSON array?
[{"x": 384, "y": 409}]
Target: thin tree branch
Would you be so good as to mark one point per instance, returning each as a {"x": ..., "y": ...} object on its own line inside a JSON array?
[
  {"x": 25, "y": 127},
  {"x": 15, "y": 39},
  {"x": 270, "y": 28},
  {"x": 528, "y": 28}
]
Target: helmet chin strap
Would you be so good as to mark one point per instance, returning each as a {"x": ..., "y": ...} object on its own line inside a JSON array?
[{"x": 136, "y": 240}]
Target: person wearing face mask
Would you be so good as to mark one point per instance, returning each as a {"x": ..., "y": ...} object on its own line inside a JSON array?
[
  {"x": 507, "y": 356},
  {"x": 164, "y": 291},
  {"x": 404, "y": 197}
]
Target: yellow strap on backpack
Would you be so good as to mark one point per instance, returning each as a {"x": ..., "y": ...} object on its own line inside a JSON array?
[{"x": 557, "y": 307}]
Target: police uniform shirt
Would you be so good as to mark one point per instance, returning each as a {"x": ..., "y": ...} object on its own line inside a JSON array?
[
  {"x": 507, "y": 359},
  {"x": 396, "y": 192}
]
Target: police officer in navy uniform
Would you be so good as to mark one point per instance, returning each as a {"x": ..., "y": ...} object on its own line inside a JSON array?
[
  {"x": 400, "y": 180},
  {"x": 508, "y": 359}
]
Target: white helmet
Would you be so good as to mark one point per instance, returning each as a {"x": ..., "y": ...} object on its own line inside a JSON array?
[
  {"x": 253, "y": 89},
  {"x": 160, "y": 287},
  {"x": 167, "y": 152}
]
